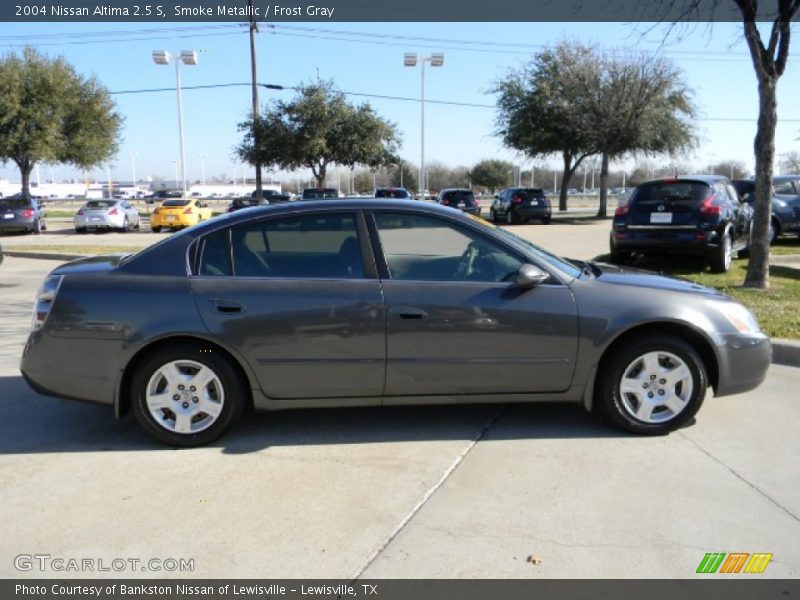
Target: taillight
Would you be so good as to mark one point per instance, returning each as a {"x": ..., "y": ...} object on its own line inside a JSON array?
[
  {"x": 516, "y": 200},
  {"x": 113, "y": 211},
  {"x": 188, "y": 211},
  {"x": 44, "y": 301},
  {"x": 155, "y": 212},
  {"x": 27, "y": 213},
  {"x": 707, "y": 206},
  {"x": 622, "y": 210}
]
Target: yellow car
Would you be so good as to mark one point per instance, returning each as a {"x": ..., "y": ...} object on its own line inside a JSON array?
[{"x": 178, "y": 213}]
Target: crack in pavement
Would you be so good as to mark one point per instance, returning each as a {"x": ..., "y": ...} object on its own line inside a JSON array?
[
  {"x": 741, "y": 477},
  {"x": 427, "y": 496}
]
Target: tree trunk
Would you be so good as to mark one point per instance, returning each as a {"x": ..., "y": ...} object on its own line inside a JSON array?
[
  {"x": 320, "y": 176},
  {"x": 758, "y": 267},
  {"x": 25, "y": 169},
  {"x": 566, "y": 176},
  {"x": 602, "y": 211}
]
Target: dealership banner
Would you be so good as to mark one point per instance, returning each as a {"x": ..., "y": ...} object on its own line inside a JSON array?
[
  {"x": 395, "y": 589},
  {"x": 376, "y": 10}
]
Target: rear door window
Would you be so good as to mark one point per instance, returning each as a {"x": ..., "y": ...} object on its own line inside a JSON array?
[{"x": 313, "y": 246}]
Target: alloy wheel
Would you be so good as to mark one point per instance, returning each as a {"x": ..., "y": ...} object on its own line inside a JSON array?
[{"x": 656, "y": 387}]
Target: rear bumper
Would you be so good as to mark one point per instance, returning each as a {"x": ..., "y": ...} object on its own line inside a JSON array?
[
  {"x": 18, "y": 224},
  {"x": 688, "y": 241},
  {"x": 104, "y": 223},
  {"x": 533, "y": 212},
  {"x": 743, "y": 361}
]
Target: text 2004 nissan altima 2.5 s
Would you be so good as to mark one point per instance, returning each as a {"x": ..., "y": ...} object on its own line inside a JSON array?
[{"x": 376, "y": 302}]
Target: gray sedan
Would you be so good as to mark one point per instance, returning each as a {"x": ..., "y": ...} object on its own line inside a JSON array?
[
  {"x": 378, "y": 302},
  {"x": 115, "y": 213},
  {"x": 19, "y": 214}
]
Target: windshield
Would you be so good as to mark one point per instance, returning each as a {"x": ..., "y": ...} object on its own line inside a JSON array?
[
  {"x": 465, "y": 196},
  {"x": 320, "y": 194}
]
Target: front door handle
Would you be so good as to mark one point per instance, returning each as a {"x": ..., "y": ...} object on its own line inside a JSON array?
[
  {"x": 227, "y": 307},
  {"x": 408, "y": 312}
]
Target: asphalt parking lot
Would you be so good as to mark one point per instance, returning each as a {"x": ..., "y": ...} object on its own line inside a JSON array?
[{"x": 402, "y": 492}]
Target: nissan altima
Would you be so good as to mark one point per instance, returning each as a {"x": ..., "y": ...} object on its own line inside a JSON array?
[{"x": 378, "y": 302}]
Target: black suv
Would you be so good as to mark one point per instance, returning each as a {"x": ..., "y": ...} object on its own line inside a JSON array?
[
  {"x": 521, "y": 204},
  {"x": 785, "y": 217},
  {"x": 319, "y": 194},
  {"x": 461, "y": 199},
  {"x": 698, "y": 214}
]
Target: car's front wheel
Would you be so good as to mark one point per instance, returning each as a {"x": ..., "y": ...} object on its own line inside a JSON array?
[
  {"x": 186, "y": 395},
  {"x": 653, "y": 384}
]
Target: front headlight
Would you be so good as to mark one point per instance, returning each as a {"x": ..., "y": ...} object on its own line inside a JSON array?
[
  {"x": 738, "y": 316},
  {"x": 778, "y": 203}
]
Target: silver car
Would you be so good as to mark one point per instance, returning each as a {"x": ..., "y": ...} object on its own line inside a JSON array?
[{"x": 107, "y": 214}]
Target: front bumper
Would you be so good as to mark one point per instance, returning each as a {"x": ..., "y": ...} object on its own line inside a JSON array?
[{"x": 743, "y": 361}]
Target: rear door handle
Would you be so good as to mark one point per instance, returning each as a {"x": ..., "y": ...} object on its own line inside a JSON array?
[
  {"x": 408, "y": 312},
  {"x": 227, "y": 307}
]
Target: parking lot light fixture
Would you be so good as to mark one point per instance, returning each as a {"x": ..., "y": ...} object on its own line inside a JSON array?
[
  {"x": 187, "y": 57},
  {"x": 411, "y": 59}
]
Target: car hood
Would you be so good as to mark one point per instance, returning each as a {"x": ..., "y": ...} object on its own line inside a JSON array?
[
  {"x": 629, "y": 276},
  {"x": 90, "y": 264}
]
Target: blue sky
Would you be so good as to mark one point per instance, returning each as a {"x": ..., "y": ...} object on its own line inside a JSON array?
[{"x": 367, "y": 58}]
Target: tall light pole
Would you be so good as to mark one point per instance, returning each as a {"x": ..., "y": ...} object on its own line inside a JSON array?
[
  {"x": 203, "y": 158},
  {"x": 254, "y": 82},
  {"x": 411, "y": 59},
  {"x": 133, "y": 168},
  {"x": 187, "y": 57}
]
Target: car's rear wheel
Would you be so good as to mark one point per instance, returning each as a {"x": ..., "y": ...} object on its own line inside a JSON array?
[
  {"x": 155, "y": 228},
  {"x": 510, "y": 218},
  {"x": 720, "y": 260},
  {"x": 492, "y": 215},
  {"x": 80, "y": 230},
  {"x": 546, "y": 221},
  {"x": 653, "y": 384},
  {"x": 126, "y": 226},
  {"x": 618, "y": 257},
  {"x": 186, "y": 395}
]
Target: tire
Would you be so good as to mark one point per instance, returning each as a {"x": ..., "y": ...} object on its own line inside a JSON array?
[
  {"x": 168, "y": 374},
  {"x": 80, "y": 230},
  {"x": 546, "y": 221},
  {"x": 155, "y": 228},
  {"x": 618, "y": 257},
  {"x": 44, "y": 224},
  {"x": 37, "y": 227},
  {"x": 720, "y": 259},
  {"x": 126, "y": 226},
  {"x": 492, "y": 215},
  {"x": 510, "y": 218},
  {"x": 774, "y": 228},
  {"x": 745, "y": 252},
  {"x": 672, "y": 372}
]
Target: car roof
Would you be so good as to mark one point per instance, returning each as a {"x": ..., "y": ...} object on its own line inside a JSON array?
[{"x": 707, "y": 179}]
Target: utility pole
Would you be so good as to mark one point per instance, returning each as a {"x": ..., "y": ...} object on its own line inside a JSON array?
[{"x": 254, "y": 77}]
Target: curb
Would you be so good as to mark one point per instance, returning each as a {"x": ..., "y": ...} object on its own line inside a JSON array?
[
  {"x": 43, "y": 255},
  {"x": 784, "y": 352}
]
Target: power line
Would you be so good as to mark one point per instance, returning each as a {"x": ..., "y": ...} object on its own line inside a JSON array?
[{"x": 390, "y": 97}]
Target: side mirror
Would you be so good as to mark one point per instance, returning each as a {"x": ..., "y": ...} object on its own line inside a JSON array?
[{"x": 530, "y": 276}]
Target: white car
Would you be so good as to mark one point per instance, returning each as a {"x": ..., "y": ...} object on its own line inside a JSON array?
[{"x": 107, "y": 214}]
